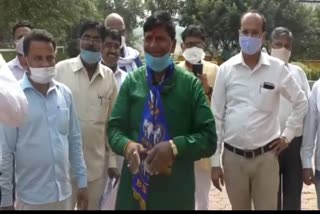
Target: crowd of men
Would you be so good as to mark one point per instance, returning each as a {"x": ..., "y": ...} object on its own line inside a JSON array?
[{"x": 161, "y": 132}]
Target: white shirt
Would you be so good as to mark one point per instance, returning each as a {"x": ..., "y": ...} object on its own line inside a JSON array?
[
  {"x": 311, "y": 132},
  {"x": 119, "y": 76},
  {"x": 94, "y": 100},
  {"x": 285, "y": 106},
  {"x": 13, "y": 103},
  {"x": 246, "y": 112},
  {"x": 16, "y": 68}
]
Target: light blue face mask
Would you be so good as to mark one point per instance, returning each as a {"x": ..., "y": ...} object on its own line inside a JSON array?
[
  {"x": 90, "y": 57},
  {"x": 250, "y": 45},
  {"x": 158, "y": 64}
]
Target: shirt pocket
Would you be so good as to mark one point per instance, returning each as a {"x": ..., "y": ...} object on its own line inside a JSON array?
[
  {"x": 99, "y": 108},
  {"x": 63, "y": 117},
  {"x": 264, "y": 99}
]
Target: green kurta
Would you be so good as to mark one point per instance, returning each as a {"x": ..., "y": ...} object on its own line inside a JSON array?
[{"x": 191, "y": 125}]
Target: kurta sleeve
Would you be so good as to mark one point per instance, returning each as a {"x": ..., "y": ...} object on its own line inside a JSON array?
[
  {"x": 202, "y": 142},
  {"x": 118, "y": 122}
]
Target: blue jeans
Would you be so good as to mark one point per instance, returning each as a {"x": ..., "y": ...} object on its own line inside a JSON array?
[{"x": 318, "y": 187}]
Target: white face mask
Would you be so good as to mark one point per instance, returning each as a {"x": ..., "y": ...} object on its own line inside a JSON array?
[
  {"x": 193, "y": 55},
  {"x": 19, "y": 46},
  {"x": 42, "y": 75},
  {"x": 123, "y": 41},
  {"x": 282, "y": 54}
]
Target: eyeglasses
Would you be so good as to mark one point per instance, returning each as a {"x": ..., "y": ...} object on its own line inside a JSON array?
[{"x": 93, "y": 40}]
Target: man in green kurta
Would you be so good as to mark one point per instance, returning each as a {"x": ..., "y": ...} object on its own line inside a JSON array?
[{"x": 161, "y": 123}]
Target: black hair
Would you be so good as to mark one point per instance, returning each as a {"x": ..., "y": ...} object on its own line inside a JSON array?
[
  {"x": 263, "y": 18},
  {"x": 88, "y": 25},
  {"x": 193, "y": 31},
  {"x": 37, "y": 35},
  {"x": 161, "y": 19},
  {"x": 112, "y": 33},
  {"x": 20, "y": 24}
]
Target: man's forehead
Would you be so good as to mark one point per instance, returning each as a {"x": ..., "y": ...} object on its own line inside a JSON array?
[
  {"x": 157, "y": 31},
  {"x": 110, "y": 39},
  {"x": 37, "y": 47},
  {"x": 283, "y": 39},
  {"x": 114, "y": 23},
  {"x": 22, "y": 31},
  {"x": 91, "y": 32},
  {"x": 251, "y": 18}
]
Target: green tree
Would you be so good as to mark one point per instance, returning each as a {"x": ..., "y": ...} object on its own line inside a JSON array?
[
  {"x": 221, "y": 19},
  {"x": 173, "y": 7},
  {"x": 57, "y": 16}
]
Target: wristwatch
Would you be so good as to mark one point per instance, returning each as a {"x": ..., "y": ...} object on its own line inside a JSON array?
[
  {"x": 174, "y": 148},
  {"x": 285, "y": 140}
]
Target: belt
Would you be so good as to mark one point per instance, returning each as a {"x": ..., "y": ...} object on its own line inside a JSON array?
[{"x": 250, "y": 153}]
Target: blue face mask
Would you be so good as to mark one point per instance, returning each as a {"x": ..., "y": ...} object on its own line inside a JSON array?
[
  {"x": 250, "y": 45},
  {"x": 90, "y": 57},
  {"x": 158, "y": 64}
]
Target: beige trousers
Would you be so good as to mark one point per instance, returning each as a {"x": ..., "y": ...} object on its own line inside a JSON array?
[
  {"x": 95, "y": 191},
  {"x": 61, "y": 205},
  {"x": 203, "y": 185},
  {"x": 251, "y": 181}
]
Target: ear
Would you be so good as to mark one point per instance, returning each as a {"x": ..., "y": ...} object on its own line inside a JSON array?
[{"x": 173, "y": 48}]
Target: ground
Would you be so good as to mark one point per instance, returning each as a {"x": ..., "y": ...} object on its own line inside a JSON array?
[{"x": 220, "y": 201}]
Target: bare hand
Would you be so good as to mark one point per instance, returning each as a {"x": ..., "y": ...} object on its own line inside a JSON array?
[
  {"x": 308, "y": 176},
  {"x": 113, "y": 173},
  {"x": 278, "y": 146},
  {"x": 132, "y": 155},
  {"x": 217, "y": 177},
  {"x": 205, "y": 84},
  {"x": 160, "y": 159},
  {"x": 82, "y": 199}
]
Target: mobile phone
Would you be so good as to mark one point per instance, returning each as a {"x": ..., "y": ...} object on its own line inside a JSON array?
[{"x": 197, "y": 69}]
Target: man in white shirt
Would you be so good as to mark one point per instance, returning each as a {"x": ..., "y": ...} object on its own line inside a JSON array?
[
  {"x": 18, "y": 65},
  {"x": 291, "y": 182},
  {"x": 110, "y": 54},
  {"x": 13, "y": 105},
  {"x": 193, "y": 51},
  {"x": 245, "y": 103},
  {"x": 95, "y": 91},
  {"x": 311, "y": 142},
  {"x": 129, "y": 57}
]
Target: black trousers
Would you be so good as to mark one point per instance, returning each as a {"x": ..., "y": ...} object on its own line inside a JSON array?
[{"x": 291, "y": 181}]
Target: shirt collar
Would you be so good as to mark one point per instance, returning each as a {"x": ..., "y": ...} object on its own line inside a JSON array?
[
  {"x": 16, "y": 63},
  {"x": 78, "y": 66},
  {"x": 26, "y": 84},
  {"x": 263, "y": 60},
  {"x": 118, "y": 72}
]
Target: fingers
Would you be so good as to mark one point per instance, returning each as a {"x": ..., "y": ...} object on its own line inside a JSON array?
[
  {"x": 222, "y": 180},
  {"x": 216, "y": 184},
  {"x": 141, "y": 150},
  {"x": 150, "y": 156},
  {"x": 275, "y": 143},
  {"x": 155, "y": 165}
]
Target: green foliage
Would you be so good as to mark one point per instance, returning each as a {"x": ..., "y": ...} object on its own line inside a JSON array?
[
  {"x": 57, "y": 16},
  {"x": 312, "y": 73},
  {"x": 221, "y": 19}
]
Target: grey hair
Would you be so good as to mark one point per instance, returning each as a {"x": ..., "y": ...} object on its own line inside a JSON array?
[{"x": 281, "y": 31}]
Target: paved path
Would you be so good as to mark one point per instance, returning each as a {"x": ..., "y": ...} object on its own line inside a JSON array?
[{"x": 220, "y": 201}]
